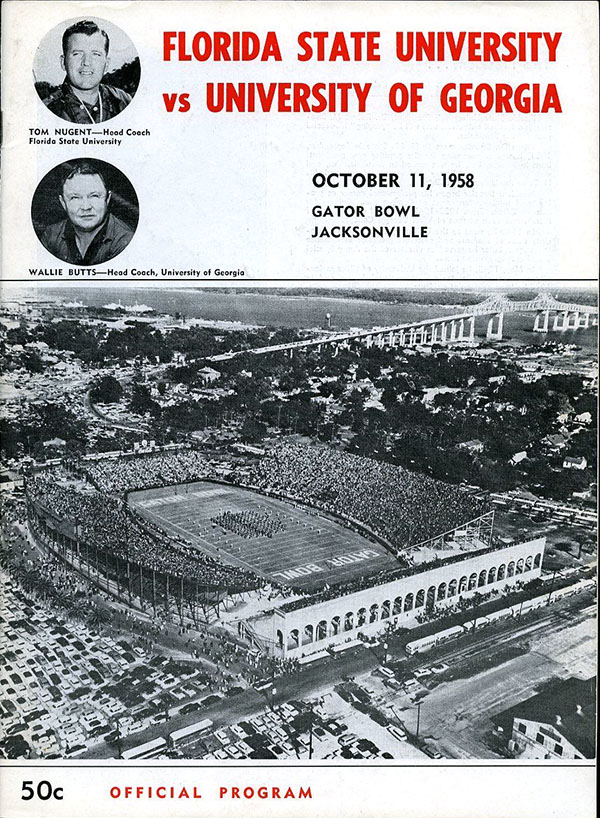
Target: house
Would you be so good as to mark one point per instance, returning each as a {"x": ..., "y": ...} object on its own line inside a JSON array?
[
  {"x": 471, "y": 446},
  {"x": 559, "y": 723},
  {"x": 579, "y": 463},
  {"x": 10, "y": 480},
  {"x": 530, "y": 377},
  {"x": 584, "y": 417},
  {"x": 517, "y": 458},
  {"x": 208, "y": 375},
  {"x": 55, "y": 443},
  {"x": 555, "y": 442}
]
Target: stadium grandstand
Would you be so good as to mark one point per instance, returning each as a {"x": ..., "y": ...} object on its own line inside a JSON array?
[
  {"x": 121, "y": 474},
  {"x": 402, "y": 507},
  {"x": 100, "y": 534},
  {"x": 350, "y": 545}
]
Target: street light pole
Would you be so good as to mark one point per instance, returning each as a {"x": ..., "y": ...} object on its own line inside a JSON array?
[
  {"x": 551, "y": 585},
  {"x": 418, "y": 717}
]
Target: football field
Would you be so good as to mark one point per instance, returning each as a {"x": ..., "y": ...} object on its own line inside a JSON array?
[{"x": 284, "y": 542}]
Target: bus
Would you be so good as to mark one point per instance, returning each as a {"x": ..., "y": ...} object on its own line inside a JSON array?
[
  {"x": 475, "y": 624},
  {"x": 427, "y": 642},
  {"x": 189, "y": 732},
  {"x": 577, "y": 588},
  {"x": 496, "y": 616},
  {"x": 421, "y": 645},
  {"x": 150, "y": 749}
]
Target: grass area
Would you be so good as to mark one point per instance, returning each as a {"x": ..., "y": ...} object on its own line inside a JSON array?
[{"x": 283, "y": 541}]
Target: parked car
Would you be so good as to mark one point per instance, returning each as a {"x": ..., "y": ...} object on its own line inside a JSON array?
[
  {"x": 432, "y": 752},
  {"x": 397, "y": 732}
]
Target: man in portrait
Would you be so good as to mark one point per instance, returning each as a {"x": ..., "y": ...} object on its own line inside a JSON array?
[
  {"x": 89, "y": 234},
  {"x": 83, "y": 97}
]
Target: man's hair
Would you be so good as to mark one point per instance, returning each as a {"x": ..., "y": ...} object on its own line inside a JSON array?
[
  {"x": 82, "y": 169},
  {"x": 87, "y": 27}
]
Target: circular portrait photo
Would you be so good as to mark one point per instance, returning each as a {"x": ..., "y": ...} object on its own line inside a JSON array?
[
  {"x": 86, "y": 70},
  {"x": 85, "y": 212}
]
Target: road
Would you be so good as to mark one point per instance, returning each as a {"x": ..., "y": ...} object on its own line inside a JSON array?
[
  {"x": 113, "y": 424},
  {"x": 457, "y": 727},
  {"x": 457, "y": 714}
]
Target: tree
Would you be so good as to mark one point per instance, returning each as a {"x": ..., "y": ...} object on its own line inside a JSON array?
[
  {"x": 10, "y": 438},
  {"x": 355, "y": 407},
  {"x": 253, "y": 431},
  {"x": 32, "y": 362},
  {"x": 389, "y": 396},
  {"x": 141, "y": 400},
  {"x": 106, "y": 390},
  {"x": 79, "y": 609},
  {"x": 98, "y": 618}
]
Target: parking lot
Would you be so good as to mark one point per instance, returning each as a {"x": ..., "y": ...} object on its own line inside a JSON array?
[
  {"x": 64, "y": 687},
  {"x": 324, "y": 728}
]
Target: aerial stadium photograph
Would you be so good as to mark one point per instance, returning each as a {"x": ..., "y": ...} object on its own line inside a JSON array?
[{"x": 348, "y": 524}]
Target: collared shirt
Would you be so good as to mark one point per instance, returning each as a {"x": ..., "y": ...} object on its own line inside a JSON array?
[
  {"x": 111, "y": 239},
  {"x": 66, "y": 105}
]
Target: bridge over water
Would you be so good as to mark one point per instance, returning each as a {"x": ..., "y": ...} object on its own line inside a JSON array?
[{"x": 458, "y": 328}]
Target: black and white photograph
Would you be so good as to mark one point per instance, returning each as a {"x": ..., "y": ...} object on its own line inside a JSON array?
[
  {"x": 86, "y": 71},
  {"x": 85, "y": 212},
  {"x": 299, "y": 524}
]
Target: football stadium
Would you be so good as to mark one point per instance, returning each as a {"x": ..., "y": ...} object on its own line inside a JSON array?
[{"x": 345, "y": 546}]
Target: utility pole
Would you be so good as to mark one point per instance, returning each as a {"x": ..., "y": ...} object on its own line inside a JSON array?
[
  {"x": 551, "y": 585},
  {"x": 475, "y": 608},
  {"x": 418, "y": 717},
  {"x": 119, "y": 739}
]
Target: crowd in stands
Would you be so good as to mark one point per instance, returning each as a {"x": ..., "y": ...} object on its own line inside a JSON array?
[
  {"x": 107, "y": 524},
  {"x": 126, "y": 473},
  {"x": 398, "y": 505},
  {"x": 358, "y": 583},
  {"x": 248, "y": 524}
]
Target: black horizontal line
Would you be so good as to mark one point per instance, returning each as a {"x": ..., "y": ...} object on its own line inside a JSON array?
[
  {"x": 282, "y": 282},
  {"x": 509, "y": 765}
]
